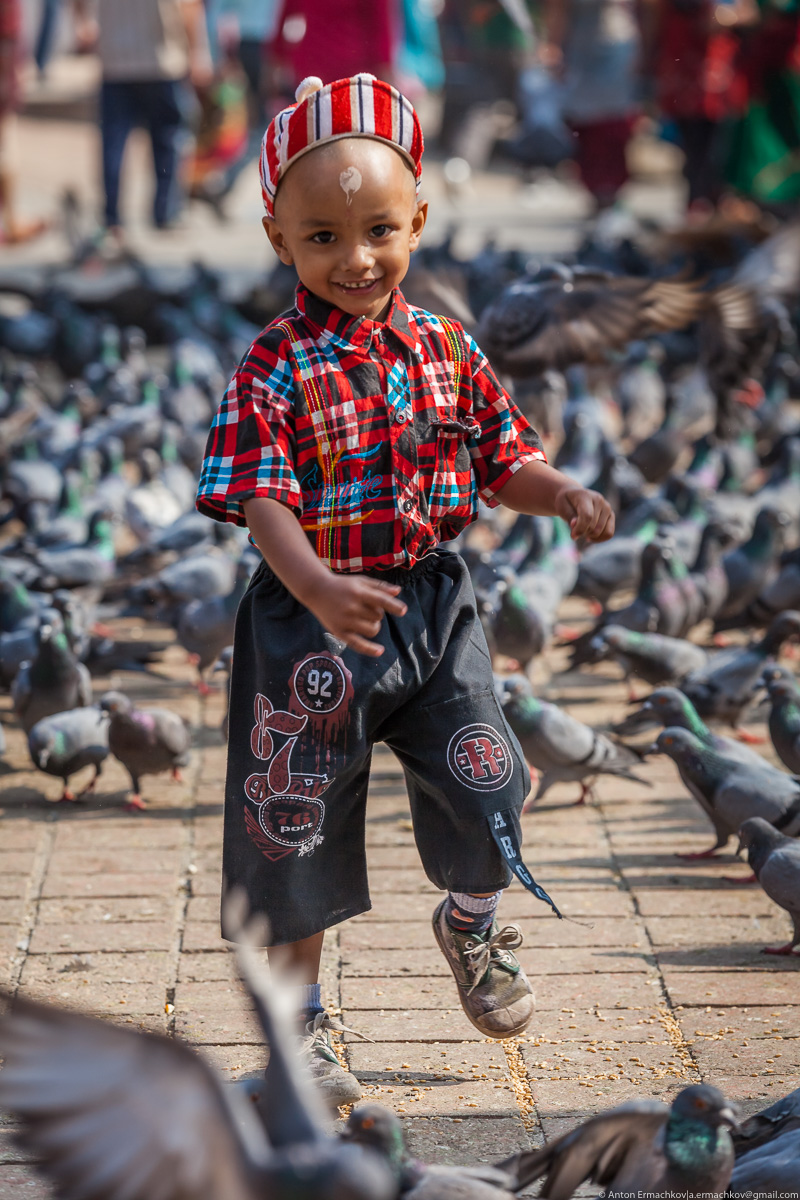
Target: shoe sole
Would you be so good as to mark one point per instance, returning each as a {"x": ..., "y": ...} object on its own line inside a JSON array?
[{"x": 498, "y": 1037}]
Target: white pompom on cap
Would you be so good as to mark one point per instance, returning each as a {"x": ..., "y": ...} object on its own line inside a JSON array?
[{"x": 307, "y": 87}]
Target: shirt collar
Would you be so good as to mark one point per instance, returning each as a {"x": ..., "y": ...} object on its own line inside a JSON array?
[{"x": 350, "y": 332}]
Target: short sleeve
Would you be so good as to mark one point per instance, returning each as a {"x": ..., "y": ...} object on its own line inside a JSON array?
[
  {"x": 250, "y": 450},
  {"x": 505, "y": 440}
]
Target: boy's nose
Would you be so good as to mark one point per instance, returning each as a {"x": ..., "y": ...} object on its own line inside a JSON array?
[{"x": 358, "y": 257}]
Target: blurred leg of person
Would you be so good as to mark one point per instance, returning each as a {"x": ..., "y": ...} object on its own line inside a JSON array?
[
  {"x": 13, "y": 229},
  {"x": 699, "y": 140},
  {"x": 117, "y": 119},
  {"x": 601, "y": 156},
  {"x": 46, "y": 35},
  {"x": 163, "y": 112}
]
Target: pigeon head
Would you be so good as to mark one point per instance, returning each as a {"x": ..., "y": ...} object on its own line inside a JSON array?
[
  {"x": 678, "y": 744},
  {"x": 756, "y": 834},
  {"x": 784, "y": 627},
  {"x": 775, "y": 674},
  {"x": 115, "y": 702},
  {"x": 704, "y": 1103},
  {"x": 515, "y": 687},
  {"x": 780, "y": 688},
  {"x": 378, "y": 1127}
]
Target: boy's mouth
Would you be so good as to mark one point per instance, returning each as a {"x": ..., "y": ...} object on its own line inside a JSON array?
[{"x": 361, "y": 287}]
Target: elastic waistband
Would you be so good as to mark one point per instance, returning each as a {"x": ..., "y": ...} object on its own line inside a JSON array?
[{"x": 401, "y": 575}]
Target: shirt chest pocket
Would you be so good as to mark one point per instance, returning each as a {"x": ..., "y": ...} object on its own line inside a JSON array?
[{"x": 452, "y": 472}]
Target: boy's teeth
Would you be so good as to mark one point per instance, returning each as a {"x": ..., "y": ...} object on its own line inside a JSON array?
[{"x": 355, "y": 286}]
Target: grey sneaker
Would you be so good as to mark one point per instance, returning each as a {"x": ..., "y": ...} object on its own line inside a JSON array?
[
  {"x": 493, "y": 989},
  {"x": 336, "y": 1085}
]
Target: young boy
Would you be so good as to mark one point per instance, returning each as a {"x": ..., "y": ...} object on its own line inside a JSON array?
[{"x": 355, "y": 436}]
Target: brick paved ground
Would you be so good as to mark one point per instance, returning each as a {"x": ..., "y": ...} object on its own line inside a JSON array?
[{"x": 657, "y": 982}]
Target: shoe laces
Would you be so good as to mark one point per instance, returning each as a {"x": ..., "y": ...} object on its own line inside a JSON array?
[
  {"x": 317, "y": 1035},
  {"x": 495, "y": 951}
]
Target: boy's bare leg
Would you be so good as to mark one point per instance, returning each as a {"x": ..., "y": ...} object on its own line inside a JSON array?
[{"x": 299, "y": 959}]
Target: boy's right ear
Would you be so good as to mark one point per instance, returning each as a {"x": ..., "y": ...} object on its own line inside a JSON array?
[{"x": 277, "y": 241}]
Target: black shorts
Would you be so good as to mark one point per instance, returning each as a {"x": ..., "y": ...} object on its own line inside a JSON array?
[{"x": 305, "y": 713}]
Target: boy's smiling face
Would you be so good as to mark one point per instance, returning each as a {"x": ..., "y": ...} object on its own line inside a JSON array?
[{"x": 347, "y": 218}]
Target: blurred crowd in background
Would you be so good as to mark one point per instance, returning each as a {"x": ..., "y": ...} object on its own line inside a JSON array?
[{"x": 548, "y": 85}]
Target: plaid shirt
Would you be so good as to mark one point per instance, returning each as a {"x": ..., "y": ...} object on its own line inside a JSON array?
[{"x": 379, "y": 435}]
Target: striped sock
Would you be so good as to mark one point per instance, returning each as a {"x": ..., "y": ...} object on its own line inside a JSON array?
[
  {"x": 471, "y": 914},
  {"x": 310, "y": 1001}
]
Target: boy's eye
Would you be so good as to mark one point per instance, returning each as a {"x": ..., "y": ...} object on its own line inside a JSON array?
[
  {"x": 380, "y": 231},
  {"x": 323, "y": 238}
]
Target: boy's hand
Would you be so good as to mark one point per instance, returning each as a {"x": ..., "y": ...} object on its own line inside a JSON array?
[
  {"x": 587, "y": 513},
  {"x": 351, "y": 607}
]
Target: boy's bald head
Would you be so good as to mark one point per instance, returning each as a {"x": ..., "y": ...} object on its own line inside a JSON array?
[{"x": 340, "y": 167}]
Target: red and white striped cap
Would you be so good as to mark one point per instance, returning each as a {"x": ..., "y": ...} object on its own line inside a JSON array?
[{"x": 361, "y": 106}]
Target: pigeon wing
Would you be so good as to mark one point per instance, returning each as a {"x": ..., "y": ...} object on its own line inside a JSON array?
[
  {"x": 568, "y": 741},
  {"x": 115, "y": 1115},
  {"x": 597, "y": 1150}
]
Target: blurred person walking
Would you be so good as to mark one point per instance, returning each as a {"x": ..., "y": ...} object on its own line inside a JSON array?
[
  {"x": 12, "y": 228},
  {"x": 316, "y": 37},
  {"x": 148, "y": 51},
  {"x": 595, "y": 45},
  {"x": 692, "y": 49}
]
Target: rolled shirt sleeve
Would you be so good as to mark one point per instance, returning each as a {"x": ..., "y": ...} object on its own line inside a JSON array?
[
  {"x": 250, "y": 450},
  {"x": 504, "y": 440}
]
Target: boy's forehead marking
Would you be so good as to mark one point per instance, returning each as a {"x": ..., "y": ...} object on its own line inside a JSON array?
[{"x": 350, "y": 181}]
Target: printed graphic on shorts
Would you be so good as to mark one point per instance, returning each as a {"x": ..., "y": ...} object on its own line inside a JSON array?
[
  {"x": 480, "y": 757},
  {"x": 320, "y": 683},
  {"x": 289, "y": 813},
  {"x": 321, "y": 692}
]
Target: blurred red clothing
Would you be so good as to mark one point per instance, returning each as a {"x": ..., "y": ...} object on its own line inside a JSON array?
[
  {"x": 315, "y": 37},
  {"x": 697, "y": 64},
  {"x": 10, "y": 20},
  {"x": 10, "y": 32}
]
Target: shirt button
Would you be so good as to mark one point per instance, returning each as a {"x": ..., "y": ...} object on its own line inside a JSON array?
[
  {"x": 408, "y": 506},
  {"x": 400, "y": 416}
]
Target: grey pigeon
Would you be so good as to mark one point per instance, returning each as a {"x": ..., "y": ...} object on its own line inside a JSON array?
[
  {"x": 723, "y": 689},
  {"x": 728, "y": 791},
  {"x": 751, "y": 566},
  {"x": 146, "y": 741},
  {"x": 562, "y": 748},
  {"x": 775, "y": 860},
  {"x": 640, "y": 1148},
  {"x": 784, "y": 717},
  {"x": 63, "y": 744},
  {"x": 205, "y": 627},
  {"x": 114, "y": 1114},
  {"x": 767, "y": 1149},
  {"x": 52, "y": 682},
  {"x": 223, "y": 665},
  {"x": 670, "y": 707},
  {"x": 652, "y": 657},
  {"x": 378, "y": 1128}
]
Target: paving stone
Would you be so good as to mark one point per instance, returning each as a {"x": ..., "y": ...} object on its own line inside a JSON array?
[
  {"x": 745, "y": 954},
  {"x": 393, "y": 1063},
  {"x": 539, "y": 961},
  {"x": 606, "y": 1061},
  {"x": 557, "y": 1097},
  {"x": 111, "y": 834},
  {"x": 243, "y": 1061},
  {"x": 210, "y": 994},
  {"x": 467, "y": 1141},
  {"x": 110, "y": 884},
  {"x": 202, "y": 935},
  {"x": 727, "y": 902},
  {"x": 88, "y": 937},
  {"x": 754, "y": 1022},
  {"x": 411, "y": 1025},
  {"x": 709, "y": 933},
  {"x": 752, "y": 1093},
  {"x": 13, "y": 886},
  {"x": 99, "y": 995},
  {"x": 22, "y": 1181},
  {"x": 89, "y": 862},
  {"x": 581, "y": 1025},
  {"x": 77, "y": 910},
  {"x": 107, "y": 968},
  {"x": 608, "y": 900},
  {"x": 444, "y": 1098},
  {"x": 22, "y": 835},
  {"x": 11, "y": 910},
  {"x": 203, "y": 967},
  {"x": 16, "y": 862},
  {"x": 220, "y": 1027},
  {"x": 733, "y": 1056},
  {"x": 732, "y": 987}
]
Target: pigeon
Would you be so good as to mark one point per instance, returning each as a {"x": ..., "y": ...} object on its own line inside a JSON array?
[
  {"x": 780, "y": 593},
  {"x": 728, "y": 791},
  {"x": 92, "y": 564},
  {"x": 146, "y": 741},
  {"x": 669, "y": 707},
  {"x": 378, "y": 1128},
  {"x": 750, "y": 567},
  {"x": 723, "y": 689},
  {"x": 649, "y": 656},
  {"x": 109, "y": 1112},
  {"x": 564, "y": 316},
  {"x": 784, "y": 717},
  {"x": 767, "y": 1147},
  {"x": 640, "y": 1148},
  {"x": 560, "y": 747},
  {"x": 775, "y": 860},
  {"x": 205, "y": 627},
  {"x": 223, "y": 664},
  {"x": 63, "y": 744},
  {"x": 52, "y": 682}
]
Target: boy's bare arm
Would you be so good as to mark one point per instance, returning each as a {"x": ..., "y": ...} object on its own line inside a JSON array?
[
  {"x": 351, "y": 607},
  {"x": 539, "y": 489}
]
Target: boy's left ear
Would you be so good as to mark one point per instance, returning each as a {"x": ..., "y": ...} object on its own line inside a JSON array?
[{"x": 418, "y": 224}]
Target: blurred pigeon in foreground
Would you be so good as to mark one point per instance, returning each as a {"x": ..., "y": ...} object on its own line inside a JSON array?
[
  {"x": 767, "y": 1149},
  {"x": 728, "y": 791},
  {"x": 146, "y": 741},
  {"x": 649, "y": 656},
  {"x": 113, "y": 1114},
  {"x": 558, "y": 745},
  {"x": 641, "y": 1147},
  {"x": 66, "y": 742},
  {"x": 775, "y": 860}
]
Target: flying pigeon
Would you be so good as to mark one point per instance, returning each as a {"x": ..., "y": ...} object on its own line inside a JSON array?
[
  {"x": 767, "y": 1148},
  {"x": 775, "y": 860},
  {"x": 146, "y": 741}
]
